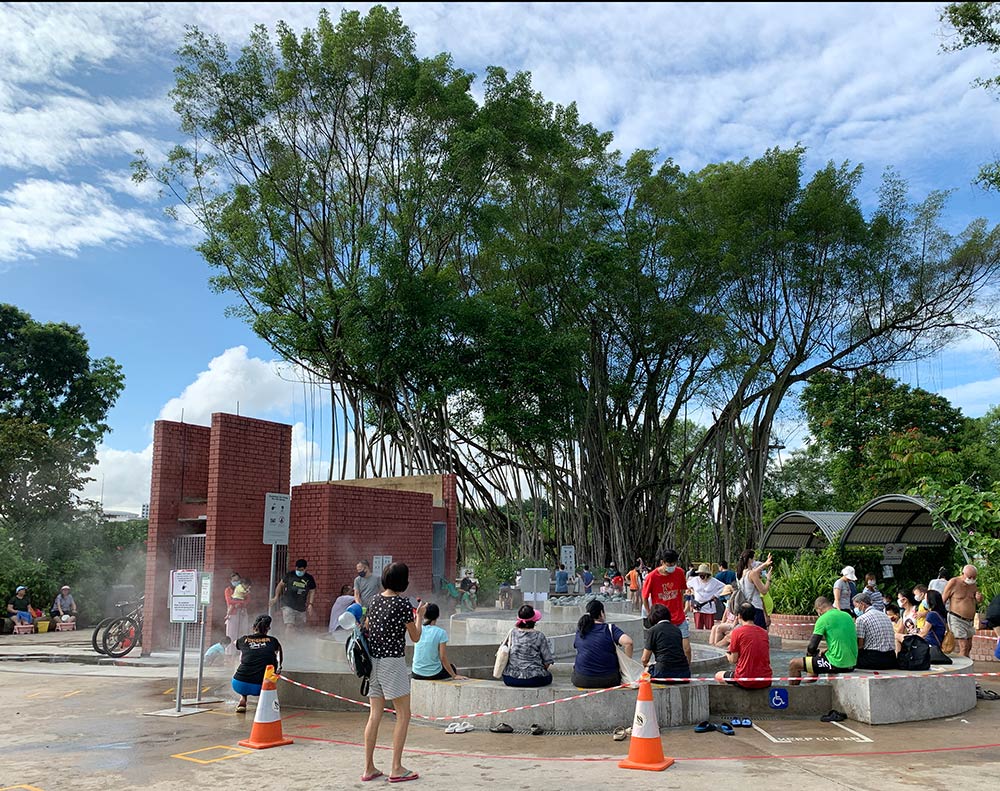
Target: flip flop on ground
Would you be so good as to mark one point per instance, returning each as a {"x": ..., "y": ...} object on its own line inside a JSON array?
[
  {"x": 833, "y": 716},
  {"x": 501, "y": 727},
  {"x": 404, "y": 778},
  {"x": 465, "y": 727},
  {"x": 704, "y": 727},
  {"x": 536, "y": 729},
  {"x": 726, "y": 729}
]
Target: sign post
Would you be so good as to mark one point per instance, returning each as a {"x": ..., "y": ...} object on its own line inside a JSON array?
[
  {"x": 184, "y": 590},
  {"x": 567, "y": 556},
  {"x": 204, "y": 600},
  {"x": 276, "y": 515}
]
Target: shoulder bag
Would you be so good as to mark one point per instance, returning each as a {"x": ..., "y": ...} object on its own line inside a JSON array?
[
  {"x": 503, "y": 656},
  {"x": 630, "y": 669}
]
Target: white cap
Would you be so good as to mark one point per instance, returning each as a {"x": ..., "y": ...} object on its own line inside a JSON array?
[{"x": 848, "y": 571}]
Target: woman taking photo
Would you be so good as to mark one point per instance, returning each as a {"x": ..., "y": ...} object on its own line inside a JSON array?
[
  {"x": 753, "y": 585},
  {"x": 530, "y": 655},
  {"x": 257, "y": 651},
  {"x": 389, "y": 620},
  {"x": 596, "y": 644}
]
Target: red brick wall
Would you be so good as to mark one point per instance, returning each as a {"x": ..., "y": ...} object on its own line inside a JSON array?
[
  {"x": 792, "y": 627},
  {"x": 248, "y": 458},
  {"x": 179, "y": 481},
  {"x": 984, "y": 643}
]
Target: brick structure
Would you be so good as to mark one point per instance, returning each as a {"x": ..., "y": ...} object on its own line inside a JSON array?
[{"x": 212, "y": 481}]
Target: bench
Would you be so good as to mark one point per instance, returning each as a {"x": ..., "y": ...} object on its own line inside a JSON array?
[
  {"x": 24, "y": 628},
  {"x": 69, "y": 626}
]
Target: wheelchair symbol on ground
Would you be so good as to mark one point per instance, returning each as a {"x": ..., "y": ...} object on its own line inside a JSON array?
[{"x": 778, "y": 699}]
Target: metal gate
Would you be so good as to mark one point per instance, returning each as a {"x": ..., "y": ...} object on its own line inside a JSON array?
[
  {"x": 439, "y": 541},
  {"x": 189, "y": 553}
]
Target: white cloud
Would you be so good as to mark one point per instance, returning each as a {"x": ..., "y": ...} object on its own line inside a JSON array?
[
  {"x": 974, "y": 398},
  {"x": 258, "y": 387},
  {"x": 39, "y": 216},
  {"x": 121, "y": 479}
]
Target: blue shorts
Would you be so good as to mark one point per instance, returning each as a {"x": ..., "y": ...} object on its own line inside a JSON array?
[
  {"x": 245, "y": 688},
  {"x": 685, "y": 629}
]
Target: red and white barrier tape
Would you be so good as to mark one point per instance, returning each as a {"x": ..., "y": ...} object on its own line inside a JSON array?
[
  {"x": 458, "y": 716},
  {"x": 875, "y": 676}
]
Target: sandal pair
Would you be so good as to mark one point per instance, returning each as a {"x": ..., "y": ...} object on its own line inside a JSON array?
[
  {"x": 459, "y": 727},
  {"x": 621, "y": 734}
]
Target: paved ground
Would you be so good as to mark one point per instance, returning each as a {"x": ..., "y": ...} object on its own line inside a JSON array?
[{"x": 82, "y": 727}]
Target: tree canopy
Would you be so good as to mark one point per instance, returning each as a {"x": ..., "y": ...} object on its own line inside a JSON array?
[{"x": 489, "y": 288}]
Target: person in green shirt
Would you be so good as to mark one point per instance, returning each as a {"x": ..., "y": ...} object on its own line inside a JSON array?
[{"x": 840, "y": 633}]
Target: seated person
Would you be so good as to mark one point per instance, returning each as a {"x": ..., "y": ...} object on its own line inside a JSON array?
[
  {"x": 340, "y": 605},
  {"x": 64, "y": 605},
  {"x": 892, "y": 610},
  {"x": 841, "y": 654},
  {"x": 19, "y": 606},
  {"x": 430, "y": 654},
  {"x": 665, "y": 644},
  {"x": 470, "y": 597},
  {"x": 506, "y": 596},
  {"x": 216, "y": 653},
  {"x": 530, "y": 653},
  {"x": 719, "y": 636},
  {"x": 750, "y": 651},
  {"x": 936, "y": 620},
  {"x": 596, "y": 644},
  {"x": 876, "y": 636}
]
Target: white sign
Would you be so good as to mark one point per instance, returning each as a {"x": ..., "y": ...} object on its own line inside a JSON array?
[
  {"x": 183, "y": 582},
  {"x": 277, "y": 509},
  {"x": 205, "y": 599},
  {"x": 892, "y": 554},
  {"x": 567, "y": 556},
  {"x": 379, "y": 562},
  {"x": 183, "y": 609}
]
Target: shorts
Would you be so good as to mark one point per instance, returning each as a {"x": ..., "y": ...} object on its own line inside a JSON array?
[
  {"x": 728, "y": 675},
  {"x": 704, "y": 620},
  {"x": 685, "y": 628},
  {"x": 390, "y": 678},
  {"x": 820, "y": 664},
  {"x": 961, "y": 628},
  {"x": 293, "y": 617},
  {"x": 245, "y": 688}
]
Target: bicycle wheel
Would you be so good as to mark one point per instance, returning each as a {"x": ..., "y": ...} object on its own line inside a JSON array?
[
  {"x": 97, "y": 639},
  {"x": 121, "y": 637}
]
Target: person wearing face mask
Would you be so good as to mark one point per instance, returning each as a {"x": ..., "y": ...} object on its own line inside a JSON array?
[
  {"x": 876, "y": 636},
  {"x": 237, "y": 618},
  {"x": 366, "y": 586},
  {"x": 667, "y": 586},
  {"x": 962, "y": 593},
  {"x": 871, "y": 588},
  {"x": 296, "y": 590}
]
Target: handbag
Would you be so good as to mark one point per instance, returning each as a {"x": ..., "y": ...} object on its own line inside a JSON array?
[
  {"x": 503, "y": 656},
  {"x": 937, "y": 653},
  {"x": 948, "y": 644},
  {"x": 630, "y": 669}
]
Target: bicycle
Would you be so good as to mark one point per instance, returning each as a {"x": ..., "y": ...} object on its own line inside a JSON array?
[{"x": 117, "y": 636}]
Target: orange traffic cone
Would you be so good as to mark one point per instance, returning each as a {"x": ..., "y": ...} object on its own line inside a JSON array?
[
  {"x": 645, "y": 750},
  {"x": 266, "y": 731}
]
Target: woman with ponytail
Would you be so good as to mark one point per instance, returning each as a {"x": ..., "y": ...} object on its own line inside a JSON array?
[
  {"x": 257, "y": 651},
  {"x": 596, "y": 665}
]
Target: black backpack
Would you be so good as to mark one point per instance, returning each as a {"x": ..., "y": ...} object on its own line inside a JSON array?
[
  {"x": 915, "y": 654},
  {"x": 359, "y": 657}
]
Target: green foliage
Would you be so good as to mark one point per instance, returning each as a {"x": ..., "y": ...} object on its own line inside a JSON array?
[
  {"x": 796, "y": 585},
  {"x": 491, "y": 572}
]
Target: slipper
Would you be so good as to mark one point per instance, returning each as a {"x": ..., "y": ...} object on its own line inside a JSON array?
[
  {"x": 619, "y": 735},
  {"x": 501, "y": 727},
  {"x": 746, "y": 722},
  {"x": 452, "y": 727},
  {"x": 833, "y": 716},
  {"x": 465, "y": 727},
  {"x": 536, "y": 730},
  {"x": 404, "y": 778},
  {"x": 241, "y": 709},
  {"x": 704, "y": 727},
  {"x": 726, "y": 729},
  {"x": 374, "y": 775}
]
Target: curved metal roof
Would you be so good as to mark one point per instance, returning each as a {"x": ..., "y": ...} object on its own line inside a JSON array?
[
  {"x": 805, "y": 529},
  {"x": 895, "y": 519}
]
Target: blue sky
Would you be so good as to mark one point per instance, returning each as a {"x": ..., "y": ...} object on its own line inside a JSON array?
[{"x": 83, "y": 86}]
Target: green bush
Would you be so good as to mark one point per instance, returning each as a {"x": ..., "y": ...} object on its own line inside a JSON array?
[{"x": 796, "y": 585}]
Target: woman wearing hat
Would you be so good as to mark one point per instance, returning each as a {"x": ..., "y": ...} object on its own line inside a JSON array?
[
  {"x": 64, "y": 607},
  {"x": 707, "y": 590},
  {"x": 530, "y": 655},
  {"x": 845, "y": 589}
]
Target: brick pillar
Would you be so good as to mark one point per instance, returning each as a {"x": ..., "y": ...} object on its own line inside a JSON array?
[
  {"x": 248, "y": 458},
  {"x": 179, "y": 479}
]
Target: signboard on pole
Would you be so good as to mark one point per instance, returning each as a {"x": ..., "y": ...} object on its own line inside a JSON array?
[
  {"x": 379, "y": 562},
  {"x": 277, "y": 509},
  {"x": 567, "y": 556},
  {"x": 205, "y": 596},
  {"x": 184, "y": 596}
]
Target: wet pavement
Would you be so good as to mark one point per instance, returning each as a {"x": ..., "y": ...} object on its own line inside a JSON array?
[{"x": 81, "y": 726}]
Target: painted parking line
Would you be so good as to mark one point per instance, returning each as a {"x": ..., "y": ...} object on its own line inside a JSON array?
[
  {"x": 74, "y": 692},
  {"x": 20, "y": 788},
  {"x": 173, "y": 690},
  {"x": 228, "y": 752},
  {"x": 856, "y": 737}
]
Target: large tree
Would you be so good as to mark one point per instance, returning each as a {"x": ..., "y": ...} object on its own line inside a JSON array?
[
  {"x": 54, "y": 401},
  {"x": 489, "y": 288}
]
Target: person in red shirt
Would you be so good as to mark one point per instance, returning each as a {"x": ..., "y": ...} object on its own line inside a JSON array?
[
  {"x": 750, "y": 651},
  {"x": 667, "y": 586}
]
